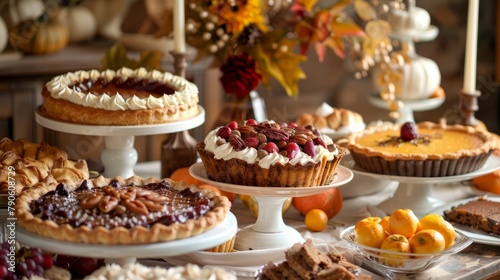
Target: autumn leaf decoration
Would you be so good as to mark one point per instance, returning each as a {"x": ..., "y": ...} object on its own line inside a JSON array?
[
  {"x": 227, "y": 29},
  {"x": 116, "y": 58}
]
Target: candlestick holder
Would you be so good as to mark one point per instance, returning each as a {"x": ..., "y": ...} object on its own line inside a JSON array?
[
  {"x": 180, "y": 63},
  {"x": 468, "y": 106}
]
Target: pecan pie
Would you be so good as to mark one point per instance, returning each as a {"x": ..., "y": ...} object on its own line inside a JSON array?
[
  {"x": 269, "y": 154},
  {"x": 120, "y": 211},
  {"x": 421, "y": 150},
  {"x": 23, "y": 164},
  {"x": 122, "y": 97}
]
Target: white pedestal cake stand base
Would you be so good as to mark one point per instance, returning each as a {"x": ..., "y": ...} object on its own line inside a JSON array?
[
  {"x": 119, "y": 155},
  {"x": 415, "y": 193},
  {"x": 122, "y": 254},
  {"x": 409, "y": 107},
  {"x": 269, "y": 231}
]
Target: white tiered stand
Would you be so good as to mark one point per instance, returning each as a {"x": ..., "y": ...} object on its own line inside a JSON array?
[
  {"x": 119, "y": 155},
  {"x": 270, "y": 231}
]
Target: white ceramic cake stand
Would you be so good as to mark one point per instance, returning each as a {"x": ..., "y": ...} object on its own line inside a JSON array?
[
  {"x": 415, "y": 193},
  {"x": 119, "y": 155},
  {"x": 269, "y": 230},
  {"x": 410, "y": 106},
  {"x": 122, "y": 254}
]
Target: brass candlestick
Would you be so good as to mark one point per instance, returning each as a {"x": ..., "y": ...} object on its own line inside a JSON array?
[
  {"x": 180, "y": 63},
  {"x": 468, "y": 105}
]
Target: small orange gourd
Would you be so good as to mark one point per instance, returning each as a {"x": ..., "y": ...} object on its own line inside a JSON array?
[
  {"x": 39, "y": 36},
  {"x": 330, "y": 201}
]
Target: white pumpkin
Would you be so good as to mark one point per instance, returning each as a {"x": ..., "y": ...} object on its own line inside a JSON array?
[
  {"x": 20, "y": 10},
  {"x": 421, "y": 78},
  {"x": 80, "y": 21},
  {"x": 414, "y": 18},
  {"x": 4, "y": 35},
  {"x": 418, "y": 79}
]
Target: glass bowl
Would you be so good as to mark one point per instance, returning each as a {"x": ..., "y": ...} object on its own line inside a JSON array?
[{"x": 404, "y": 262}]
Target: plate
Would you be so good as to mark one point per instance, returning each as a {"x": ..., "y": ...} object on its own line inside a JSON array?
[
  {"x": 474, "y": 234},
  {"x": 342, "y": 176},
  {"x": 410, "y": 263},
  {"x": 213, "y": 237}
]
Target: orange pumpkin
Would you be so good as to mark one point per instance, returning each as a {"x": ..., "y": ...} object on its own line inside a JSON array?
[
  {"x": 39, "y": 37},
  {"x": 330, "y": 201}
]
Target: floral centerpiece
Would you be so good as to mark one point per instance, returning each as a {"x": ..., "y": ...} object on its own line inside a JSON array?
[{"x": 254, "y": 42}]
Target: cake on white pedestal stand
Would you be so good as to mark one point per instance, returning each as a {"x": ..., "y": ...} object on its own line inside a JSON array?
[
  {"x": 415, "y": 193},
  {"x": 119, "y": 155},
  {"x": 269, "y": 231}
]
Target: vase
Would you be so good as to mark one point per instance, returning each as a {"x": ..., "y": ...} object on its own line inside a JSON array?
[{"x": 239, "y": 109}]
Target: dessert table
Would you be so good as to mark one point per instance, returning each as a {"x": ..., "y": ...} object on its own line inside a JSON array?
[{"x": 478, "y": 261}]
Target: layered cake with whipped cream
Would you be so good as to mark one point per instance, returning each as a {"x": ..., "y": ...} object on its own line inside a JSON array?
[
  {"x": 122, "y": 97},
  {"x": 269, "y": 154}
]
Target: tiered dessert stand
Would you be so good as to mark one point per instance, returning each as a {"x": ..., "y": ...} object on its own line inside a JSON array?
[
  {"x": 269, "y": 230},
  {"x": 119, "y": 155},
  {"x": 416, "y": 84},
  {"x": 415, "y": 193}
]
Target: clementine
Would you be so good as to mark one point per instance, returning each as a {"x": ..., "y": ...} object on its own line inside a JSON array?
[
  {"x": 366, "y": 221},
  {"x": 404, "y": 222},
  {"x": 385, "y": 224},
  {"x": 330, "y": 201},
  {"x": 427, "y": 241},
  {"x": 437, "y": 222},
  {"x": 395, "y": 243},
  {"x": 371, "y": 234},
  {"x": 316, "y": 220}
]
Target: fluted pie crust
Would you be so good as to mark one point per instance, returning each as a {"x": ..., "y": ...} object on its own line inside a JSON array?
[
  {"x": 120, "y": 234},
  {"x": 452, "y": 150}
]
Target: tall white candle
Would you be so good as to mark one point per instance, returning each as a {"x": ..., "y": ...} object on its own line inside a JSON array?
[
  {"x": 179, "y": 26},
  {"x": 471, "y": 48}
]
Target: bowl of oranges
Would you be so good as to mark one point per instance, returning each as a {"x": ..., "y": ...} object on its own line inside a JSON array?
[{"x": 401, "y": 242}]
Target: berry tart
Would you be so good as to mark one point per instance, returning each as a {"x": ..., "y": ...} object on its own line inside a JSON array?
[
  {"x": 122, "y": 97},
  {"x": 120, "y": 211},
  {"x": 421, "y": 150},
  {"x": 269, "y": 154}
]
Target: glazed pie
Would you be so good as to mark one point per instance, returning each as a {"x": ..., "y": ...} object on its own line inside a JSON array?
[
  {"x": 120, "y": 211},
  {"x": 24, "y": 164},
  {"x": 431, "y": 150},
  {"x": 122, "y": 97}
]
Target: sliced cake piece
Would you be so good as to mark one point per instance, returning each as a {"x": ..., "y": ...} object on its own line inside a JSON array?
[{"x": 482, "y": 214}]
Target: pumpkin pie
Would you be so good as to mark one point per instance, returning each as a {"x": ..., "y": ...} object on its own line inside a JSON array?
[
  {"x": 120, "y": 210},
  {"x": 424, "y": 150}
]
